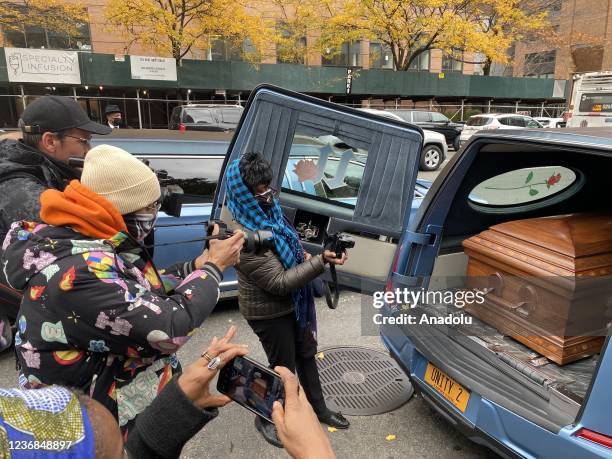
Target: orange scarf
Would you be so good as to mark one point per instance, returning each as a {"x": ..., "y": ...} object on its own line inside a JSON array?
[{"x": 81, "y": 209}]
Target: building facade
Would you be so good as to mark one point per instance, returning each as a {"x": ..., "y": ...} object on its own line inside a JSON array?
[
  {"x": 360, "y": 74},
  {"x": 584, "y": 36}
]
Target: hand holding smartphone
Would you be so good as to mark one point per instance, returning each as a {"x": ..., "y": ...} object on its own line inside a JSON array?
[{"x": 252, "y": 385}]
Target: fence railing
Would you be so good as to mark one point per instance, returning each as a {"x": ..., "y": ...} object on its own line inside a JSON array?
[{"x": 147, "y": 112}]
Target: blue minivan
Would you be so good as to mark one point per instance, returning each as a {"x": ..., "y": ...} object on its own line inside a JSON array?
[
  {"x": 361, "y": 179},
  {"x": 512, "y": 400}
]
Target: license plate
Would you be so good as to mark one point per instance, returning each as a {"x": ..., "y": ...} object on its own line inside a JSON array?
[{"x": 448, "y": 387}]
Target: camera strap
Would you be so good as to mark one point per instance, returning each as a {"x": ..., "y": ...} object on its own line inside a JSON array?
[{"x": 332, "y": 303}]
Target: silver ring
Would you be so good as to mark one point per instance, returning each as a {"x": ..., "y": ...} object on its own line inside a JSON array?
[{"x": 214, "y": 363}]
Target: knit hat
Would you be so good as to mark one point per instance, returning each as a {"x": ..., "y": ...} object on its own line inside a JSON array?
[{"x": 121, "y": 178}]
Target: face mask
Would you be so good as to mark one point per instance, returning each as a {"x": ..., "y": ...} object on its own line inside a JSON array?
[
  {"x": 117, "y": 122},
  {"x": 140, "y": 224},
  {"x": 265, "y": 206}
]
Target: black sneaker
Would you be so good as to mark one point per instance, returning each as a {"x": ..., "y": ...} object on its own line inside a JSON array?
[
  {"x": 268, "y": 430},
  {"x": 334, "y": 420}
]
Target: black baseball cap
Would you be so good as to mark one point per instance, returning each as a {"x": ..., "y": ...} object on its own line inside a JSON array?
[
  {"x": 111, "y": 109},
  {"x": 56, "y": 113}
]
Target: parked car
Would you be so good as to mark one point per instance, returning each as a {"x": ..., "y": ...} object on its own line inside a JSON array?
[
  {"x": 194, "y": 160},
  {"x": 433, "y": 121},
  {"x": 550, "y": 122},
  {"x": 435, "y": 149},
  {"x": 491, "y": 387},
  {"x": 200, "y": 117},
  {"x": 491, "y": 121}
]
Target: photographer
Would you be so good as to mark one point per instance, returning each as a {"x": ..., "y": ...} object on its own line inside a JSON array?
[
  {"x": 275, "y": 295},
  {"x": 96, "y": 314},
  {"x": 181, "y": 410},
  {"x": 53, "y": 129}
]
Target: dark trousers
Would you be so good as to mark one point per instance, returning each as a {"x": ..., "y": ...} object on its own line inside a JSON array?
[{"x": 285, "y": 347}]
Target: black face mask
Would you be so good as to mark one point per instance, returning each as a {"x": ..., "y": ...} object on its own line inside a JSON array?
[
  {"x": 140, "y": 224},
  {"x": 117, "y": 122},
  {"x": 266, "y": 206}
]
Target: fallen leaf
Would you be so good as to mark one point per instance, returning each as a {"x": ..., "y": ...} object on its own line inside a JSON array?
[
  {"x": 331, "y": 429},
  {"x": 390, "y": 437},
  {"x": 320, "y": 356}
]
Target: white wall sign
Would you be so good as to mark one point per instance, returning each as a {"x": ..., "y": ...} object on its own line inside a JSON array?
[
  {"x": 153, "y": 68},
  {"x": 42, "y": 66}
]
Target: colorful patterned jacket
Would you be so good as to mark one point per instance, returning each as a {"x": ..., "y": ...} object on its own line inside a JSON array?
[{"x": 96, "y": 315}]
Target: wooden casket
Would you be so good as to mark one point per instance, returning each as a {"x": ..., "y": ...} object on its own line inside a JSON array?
[{"x": 547, "y": 282}]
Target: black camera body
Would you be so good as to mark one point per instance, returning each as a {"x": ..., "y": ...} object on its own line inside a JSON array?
[
  {"x": 254, "y": 241},
  {"x": 338, "y": 243}
]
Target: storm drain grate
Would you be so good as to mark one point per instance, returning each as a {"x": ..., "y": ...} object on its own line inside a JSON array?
[{"x": 362, "y": 381}]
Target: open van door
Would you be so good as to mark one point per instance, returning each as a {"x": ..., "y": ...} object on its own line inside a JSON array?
[{"x": 338, "y": 170}]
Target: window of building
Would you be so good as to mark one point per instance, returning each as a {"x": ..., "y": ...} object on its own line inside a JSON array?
[
  {"x": 540, "y": 65},
  {"x": 222, "y": 49},
  {"x": 38, "y": 37},
  {"x": 421, "y": 62},
  {"x": 291, "y": 49},
  {"x": 349, "y": 55},
  {"x": 381, "y": 56},
  {"x": 451, "y": 64},
  {"x": 556, "y": 5}
]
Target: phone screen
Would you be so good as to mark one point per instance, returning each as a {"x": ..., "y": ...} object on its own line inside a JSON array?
[{"x": 252, "y": 385}]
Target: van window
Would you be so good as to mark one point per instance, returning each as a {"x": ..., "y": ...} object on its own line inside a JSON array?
[
  {"x": 534, "y": 124},
  {"x": 197, "y": 177},
  {"x": 343, "y": 167},
  {"x": 230, "y": 115},
  {"x": 522, "y": 186},
  {"x": 198, "y": 115},
  {"x": 421, "y": 117},
  {"x": 479, "y": 121},
  {"x": 438, "y": 117}
]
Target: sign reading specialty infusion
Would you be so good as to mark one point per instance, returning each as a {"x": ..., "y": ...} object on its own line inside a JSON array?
[
  {"x": 153, "y": 68},
  {"x": 42, "y": 66}
]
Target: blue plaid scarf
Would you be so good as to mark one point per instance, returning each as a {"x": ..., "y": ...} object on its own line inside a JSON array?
[{"x": 246, "y": 211}]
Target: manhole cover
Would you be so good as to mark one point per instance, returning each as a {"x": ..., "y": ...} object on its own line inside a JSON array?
[{"x": 362, "y": 381}]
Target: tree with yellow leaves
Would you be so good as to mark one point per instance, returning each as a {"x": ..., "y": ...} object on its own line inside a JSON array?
[
  {"x": 411, "y": 27},
  {"x": 54, "y": 15},
  {"x": 176, "y": 27}
]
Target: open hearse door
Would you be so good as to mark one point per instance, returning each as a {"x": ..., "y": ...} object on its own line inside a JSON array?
[{"x": 338, "y": 170}]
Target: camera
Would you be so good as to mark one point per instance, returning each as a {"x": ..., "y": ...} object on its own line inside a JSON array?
[
  {"x": 171, "y": 201},
  {"x": 254, "y": 241},
  {"x": 338, "y": 243}
]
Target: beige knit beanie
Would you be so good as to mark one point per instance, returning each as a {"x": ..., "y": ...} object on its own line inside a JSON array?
[{"x": 121, "y": 178}]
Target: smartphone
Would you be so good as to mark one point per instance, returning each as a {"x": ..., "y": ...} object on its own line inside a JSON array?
[{"x": 252, "y": 385}]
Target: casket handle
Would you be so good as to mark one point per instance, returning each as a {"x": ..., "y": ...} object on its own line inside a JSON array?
[
  {"x": 496, "y": 284},
  {"x": 527, "y": 294}
]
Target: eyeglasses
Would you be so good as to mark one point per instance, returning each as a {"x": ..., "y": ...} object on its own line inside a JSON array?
[
  {"x": 267, "y": 195},
  {"x": 81, "y": 140},
  {"x": 155, "y": 206}
]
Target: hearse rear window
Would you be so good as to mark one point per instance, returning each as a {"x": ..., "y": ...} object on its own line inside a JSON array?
[
  {"x": 196, "y": 177},
  {"x": 524, "y": 186}
]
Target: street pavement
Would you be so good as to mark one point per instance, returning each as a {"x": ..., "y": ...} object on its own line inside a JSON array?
[{"x": 419, "y": 431}]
